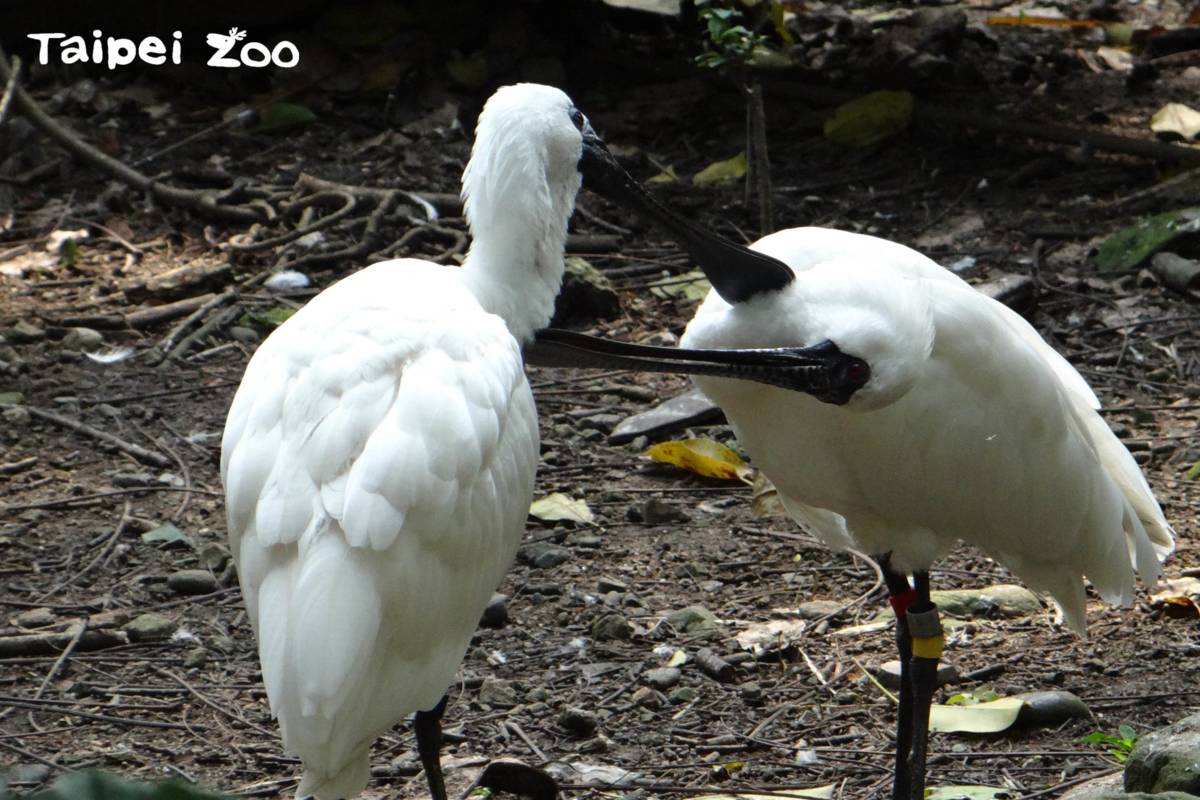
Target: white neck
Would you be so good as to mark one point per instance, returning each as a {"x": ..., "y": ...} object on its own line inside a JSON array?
[{"x": 515, "y": 264}]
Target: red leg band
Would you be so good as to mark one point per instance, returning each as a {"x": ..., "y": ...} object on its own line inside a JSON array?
[{"x": 900, "y": 602}]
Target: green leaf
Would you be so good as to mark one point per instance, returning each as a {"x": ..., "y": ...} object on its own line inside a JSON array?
[
  {"x": 870, "y": 119},
  {"x": 974, "y": 697},
  {"x": 666, "y": 176},
  {"x": 268, "y": 319},
  {"x": 693, "y": 286},
  {"x": 990, "y": 717},
  {"x": 558, "y": 506},
  {"x": 1127, "y": 731},
  {"x": 1130, "y": 246},
  {"x": 11, "y": 398},
  {"x": 164, "y": 534},
  {"x": 91, "y": 785},
  {"x": 281, "y": 116},
  {"x": 968, "y": 793},
  {"x": 469, "y": 70},
  {"x": 722, "y": 171}
]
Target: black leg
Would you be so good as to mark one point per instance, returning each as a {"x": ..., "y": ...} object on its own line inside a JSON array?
[
  {"x": 900, "y": 595},
  {"x": 428, "y": 725},
  {"x": 927, "y": 640}
]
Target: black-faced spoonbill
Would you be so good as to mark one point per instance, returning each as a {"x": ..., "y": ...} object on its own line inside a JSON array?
[{"x": 953, "y": 420}]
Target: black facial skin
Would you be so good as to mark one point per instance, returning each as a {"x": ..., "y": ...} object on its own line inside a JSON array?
[
  {"x": 823, "y": 371},
  {"x": 737, "y": 273}
]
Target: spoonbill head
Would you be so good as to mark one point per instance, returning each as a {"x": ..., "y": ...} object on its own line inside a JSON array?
[{"x": 378, "y": 458}]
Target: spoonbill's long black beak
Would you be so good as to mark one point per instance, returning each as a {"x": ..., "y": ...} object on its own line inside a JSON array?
[
  {"x": 822, "y": 370},
  {"x": 736, "y": 272}
]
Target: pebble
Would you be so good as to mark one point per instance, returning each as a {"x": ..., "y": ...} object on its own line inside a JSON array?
[
  {"x": 751, "y": 692},
  {"x": 214, "y": 556},
  {"x": 662, "y": 677},
  {"x": 544, "y": 555},
  {"x": 243, "y": 334},
  {"x": 25, "y": 331},
  {"x": 816, "y": 609},
  {"x": 888, "y": 673},
  {"x": 611, "y": 626},
  {"x": 84, "y": 339},
  {"x": 497, "y": 692},
  {"x": 656, "y": 512},
  {"x": 192, "y": 581},
  {"x": 17, "y": 416},
  {"x": 600, "y": 422},
  {"x": 495, "y": 614},
  {"x": 34, "y": 618},
  {"x": 196, "y": 657},
  {"x": 605, "y": 584},
  {"x": 578, "y": 721},
  {"x": 1001, "y": 600},
  {"x": 647, "y": 697},
  {"x": 149, "y": 627},
  {"x": 682, "y": 694}
]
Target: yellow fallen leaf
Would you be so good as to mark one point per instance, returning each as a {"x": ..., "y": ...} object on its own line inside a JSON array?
[
  {"x": 666, "y": 176},
  {"x": 704, "y": 457},
  {"x": 558, "y": 506},
  {"x": 870, "y": 119},
  {"x": 990, "y": 717},
  {"x": 1175, "y": 120},
  {"x": 765, "y": 501},
  {"x": 722, "y": 171}
]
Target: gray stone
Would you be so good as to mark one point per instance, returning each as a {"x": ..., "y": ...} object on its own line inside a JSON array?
[
  {"x": 646, "y": 697},
  {"x": 196, "y": 657},
  {"x": 544, "y": 555},
  {"x": 84, "y": 339},
  {"x": 611, "y": 626},
  {"x": 888, "y": 673},
  {"x": 497, "y": 693},
  {"x": 1047, "y": 709},
  {"x": 243, "y": 334},
  {"x": 578, "y": 721},
  {"x": 693, "y": 620},
  {"x": 682, "y": 694},
  {"x": 192, "y": 581},
  {"x": 1000, "y": 600},
  {"x": 25, "y": 331},
  {"x": 662, "y": 677},
  {"x": 656, "y": 512},
  {"x": 17, "y": 416},
  {"x": 600, "y": 422},
  {"x": 1167, "y": 759},
  {"x": 751, "y": 692},
  {"x": 605, "y": 584},
  {"x": 149, "y": 627},
  {"x": 586, "y": 294},
  {"x": 495, "y": 615},
  {"x": 35, "y": 618},
  {"x": 817, "y": 609}
]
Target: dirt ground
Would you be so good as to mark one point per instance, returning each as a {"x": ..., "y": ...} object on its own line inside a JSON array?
[{"x": 75, "y": 511}]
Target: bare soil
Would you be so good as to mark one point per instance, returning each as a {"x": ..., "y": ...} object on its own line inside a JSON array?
[{"x": 73, "y": 510}]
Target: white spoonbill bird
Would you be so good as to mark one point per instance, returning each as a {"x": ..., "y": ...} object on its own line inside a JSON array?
[
  {"x": 949, "y": 418},
  {"x": 378, "y": 459}
]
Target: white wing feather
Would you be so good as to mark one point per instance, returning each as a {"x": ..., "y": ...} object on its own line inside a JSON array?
[
  {"x": 1049, "y": 491},
  {"x": 378, "y": 467}
]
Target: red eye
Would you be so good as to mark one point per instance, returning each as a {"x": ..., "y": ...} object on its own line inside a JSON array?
[{"x": 857, "y": 372}]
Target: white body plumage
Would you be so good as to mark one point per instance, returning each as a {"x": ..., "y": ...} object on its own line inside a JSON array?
[
  {"x": 971, "y": 427},
  {"x": 379, "y": 455}
]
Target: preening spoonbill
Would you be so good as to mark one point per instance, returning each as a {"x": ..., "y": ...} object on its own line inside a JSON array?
[
  {"x": 953, "y": 420},
  {"x": 378, "y": 458}
]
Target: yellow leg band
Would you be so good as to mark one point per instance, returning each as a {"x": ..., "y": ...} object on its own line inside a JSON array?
[{"x": 927, "y": 646}]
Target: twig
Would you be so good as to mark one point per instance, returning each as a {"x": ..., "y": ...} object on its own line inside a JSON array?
[
  {"x": 14, "y": 702},
  {"x": 213, "y": 323},
  {"x": 203, "y": 202},
  {"x": 137, "y": 451},
  {"x": 10, "y": 89},
  {"x": 116, "y": 534},
  {"x": 77, "y": 630},
  {"x": 513, "y": 727},
  {"x": 87, "y": 498},
  {"x": 211, "y": 704},
  {"x": 17, "y": 466},
  {"x": 169, "y": 341}
]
